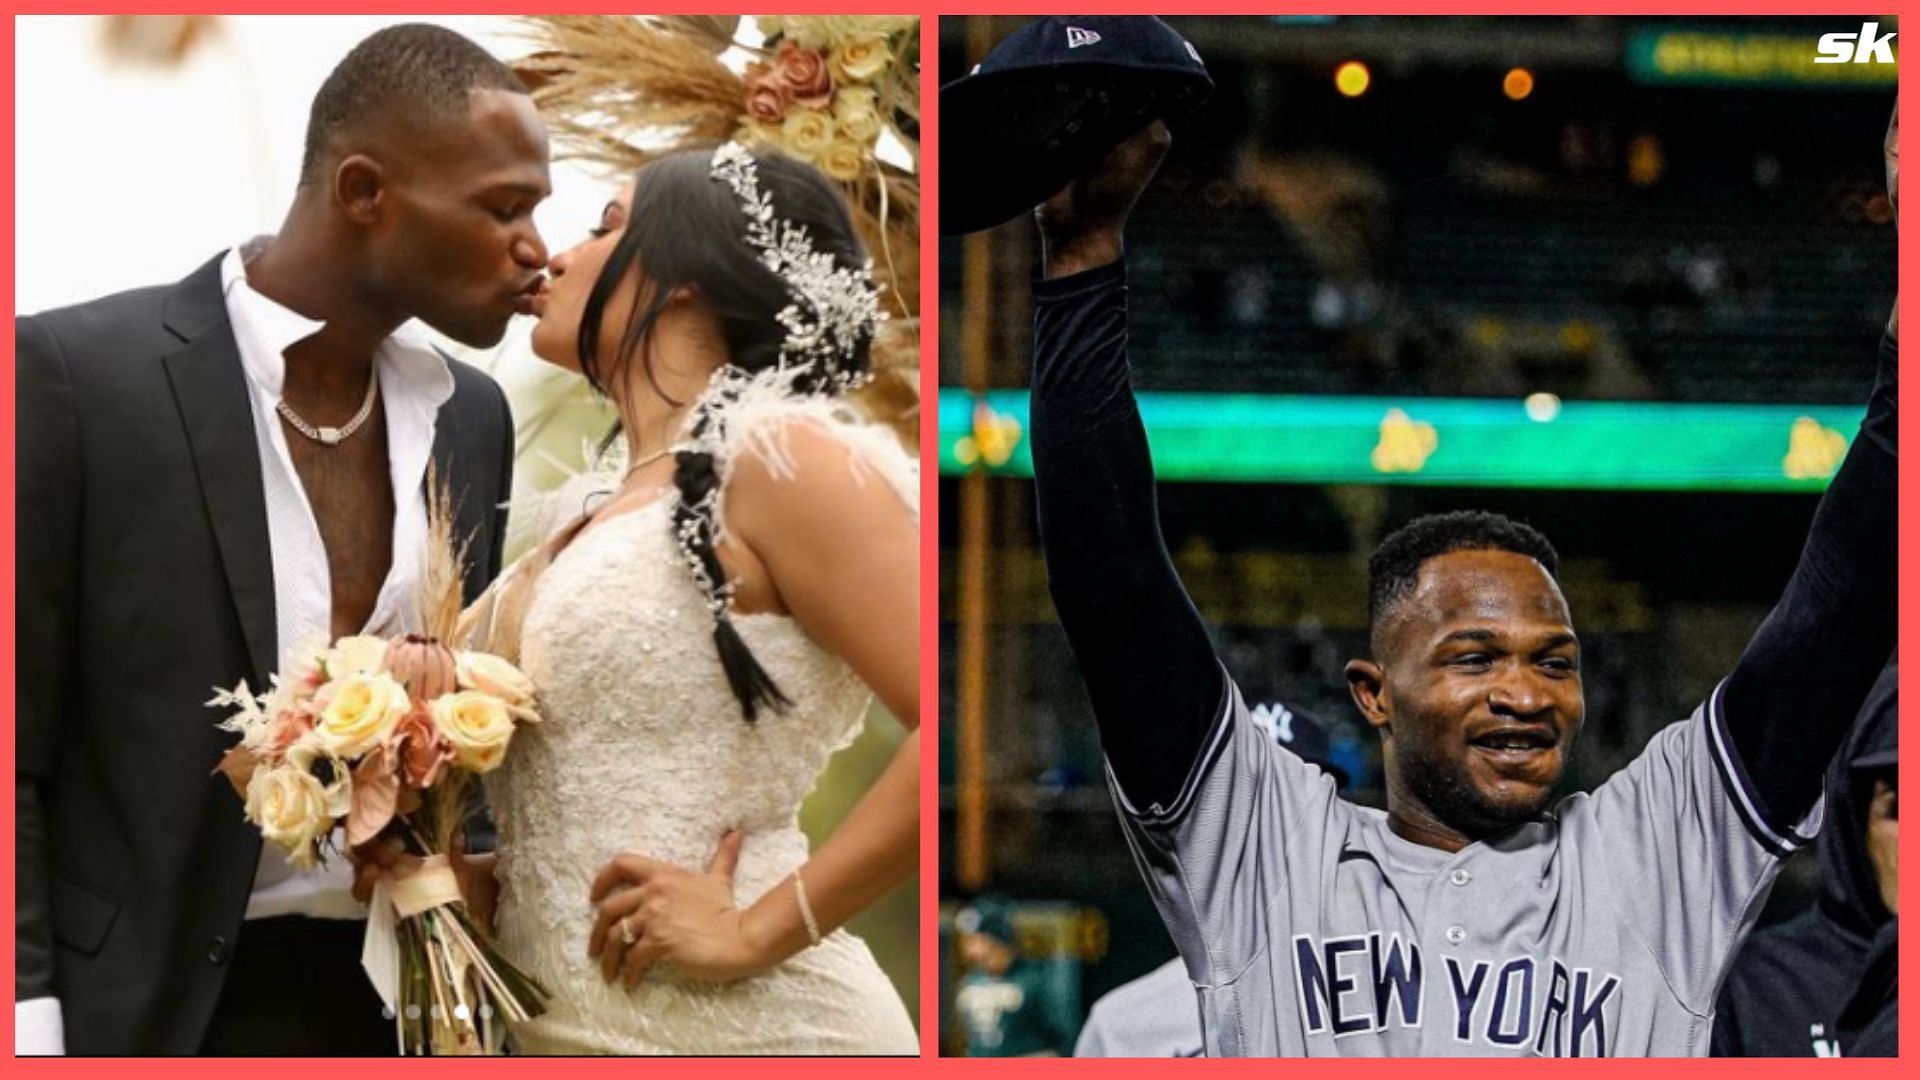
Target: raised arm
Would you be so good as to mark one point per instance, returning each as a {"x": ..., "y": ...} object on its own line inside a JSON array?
[
  {"x": 1788, "y": 703},
  {"x": 1142, "y": 648}
]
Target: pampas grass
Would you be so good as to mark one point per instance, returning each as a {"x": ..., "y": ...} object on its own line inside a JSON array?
[
  {"x": 618, "y": 91},
  {"x": 442, "y": 580}
]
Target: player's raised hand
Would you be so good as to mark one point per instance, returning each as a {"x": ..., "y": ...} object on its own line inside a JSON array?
[{"x": 1082, "y": 225}]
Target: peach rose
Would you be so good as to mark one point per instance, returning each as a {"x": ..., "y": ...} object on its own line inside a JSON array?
[
  {"x": 861, "y": 59},
  {"x": 766, "y": 95},
  {"x": 284, "y": 730},
  {"x": 803, "y": 74},
  {"x": 424, "y": 754}
]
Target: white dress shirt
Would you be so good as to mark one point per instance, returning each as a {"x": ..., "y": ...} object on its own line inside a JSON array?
[{"x": 414, "y": 383}]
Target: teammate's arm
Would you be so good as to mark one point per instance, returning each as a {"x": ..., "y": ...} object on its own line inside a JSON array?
[
  {"x": 1806, "y": 672},
  {"x": 1142, "y": 647}
]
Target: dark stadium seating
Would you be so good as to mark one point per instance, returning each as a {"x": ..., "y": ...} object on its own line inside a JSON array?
[{"x": 1789, "y": 297}]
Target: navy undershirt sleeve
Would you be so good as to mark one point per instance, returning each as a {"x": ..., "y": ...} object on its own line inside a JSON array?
[
  {"x": 1793, "y": 696},
  {"x": 1142, "y": 648}
]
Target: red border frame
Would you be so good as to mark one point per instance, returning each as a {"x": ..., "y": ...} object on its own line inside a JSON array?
[{"x": 929, "y": 642}]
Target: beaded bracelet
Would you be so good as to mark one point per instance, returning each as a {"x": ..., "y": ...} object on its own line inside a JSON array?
[{"x": 806, "y": 909}]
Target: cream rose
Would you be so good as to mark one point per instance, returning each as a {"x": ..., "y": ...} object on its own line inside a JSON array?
[
  {"x": 807, "y": 132},
  {"x": 843, "y": 160},
  {"x": 476, "y": 726},
  {"x": 860, "y": 59},
  {"x": 290, "y": 807},
  {"x": 857, "y": 114},
  {"x": 359, "y": 713},
  {"x": 757, "y": 133},
  {"x": 820, "y": 31},
  {"x": 355, "y": 656},
  {"x": 772, "y": 26},
  {"x": 490, "y": 674}
]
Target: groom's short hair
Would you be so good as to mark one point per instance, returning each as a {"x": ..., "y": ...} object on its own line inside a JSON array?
[{"x": 413, "y": 71}]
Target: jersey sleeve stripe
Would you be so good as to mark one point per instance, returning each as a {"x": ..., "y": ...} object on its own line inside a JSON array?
[
  {"x": 1780, "y": 841},
  {"x": 1210, "y": 751}
]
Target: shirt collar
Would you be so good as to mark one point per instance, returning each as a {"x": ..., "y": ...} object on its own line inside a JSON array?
[{"x": 411, "y": 367}]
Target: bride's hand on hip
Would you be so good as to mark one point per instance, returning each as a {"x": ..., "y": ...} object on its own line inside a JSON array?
[{"x": 647, "y": 911}]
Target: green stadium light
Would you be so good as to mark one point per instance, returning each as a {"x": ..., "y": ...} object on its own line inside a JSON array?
[{"x": 1450, "y": 442}]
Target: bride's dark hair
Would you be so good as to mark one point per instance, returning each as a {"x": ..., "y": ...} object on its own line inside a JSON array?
[{"x": 686, "y": 228}]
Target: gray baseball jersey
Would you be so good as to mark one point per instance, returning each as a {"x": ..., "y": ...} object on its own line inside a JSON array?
[
  {"x": 1605, "y": 928},
  {"x": 1156, "y": 1015}
]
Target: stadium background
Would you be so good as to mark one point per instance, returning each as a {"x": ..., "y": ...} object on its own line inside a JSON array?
[{"x": 1621, "y": 278}]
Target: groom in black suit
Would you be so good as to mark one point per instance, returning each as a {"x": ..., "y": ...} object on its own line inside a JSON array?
[{"x": 210, "y": 473}]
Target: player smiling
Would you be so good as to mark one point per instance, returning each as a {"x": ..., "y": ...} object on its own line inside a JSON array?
[{"x": 1474, "y": 916}]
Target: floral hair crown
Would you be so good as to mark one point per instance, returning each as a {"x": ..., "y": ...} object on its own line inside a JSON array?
[{"x": 834, "y": 306}]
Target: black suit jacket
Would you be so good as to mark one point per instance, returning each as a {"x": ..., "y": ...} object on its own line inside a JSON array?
[{"x": 145, "y": 580}]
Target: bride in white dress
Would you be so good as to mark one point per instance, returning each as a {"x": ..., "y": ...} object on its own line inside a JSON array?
[{"x": 708, "y": 634}]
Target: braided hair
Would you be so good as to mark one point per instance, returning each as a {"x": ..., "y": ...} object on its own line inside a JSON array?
[{"x": 687, "y": 229}]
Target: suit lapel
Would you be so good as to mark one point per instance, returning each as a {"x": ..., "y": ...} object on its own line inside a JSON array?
[
  {"x": 469, "y": 510},
  {"x": 210, "y": 390}
]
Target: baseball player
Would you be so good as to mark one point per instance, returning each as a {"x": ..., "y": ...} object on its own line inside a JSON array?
[
  {"x": 1784, "y": 994},
  {"x": 1004, "y": 1003},
  {"x": 1475, "y": 916},
  {"x": 1155, "y": 1015}
]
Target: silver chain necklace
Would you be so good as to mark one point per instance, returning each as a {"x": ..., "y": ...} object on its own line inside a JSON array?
[{"x": 333, "y": 436}]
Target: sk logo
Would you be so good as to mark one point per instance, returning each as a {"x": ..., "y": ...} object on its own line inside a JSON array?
[
  {"x": 1077, "y": 37},
  {"x": 1866, "y": 47}
]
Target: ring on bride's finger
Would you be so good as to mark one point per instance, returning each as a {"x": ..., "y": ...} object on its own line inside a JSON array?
[{"x": 626, "y": 932}]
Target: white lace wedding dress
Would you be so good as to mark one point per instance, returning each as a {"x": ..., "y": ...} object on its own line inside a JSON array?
[{"x": 643, "y": 748}]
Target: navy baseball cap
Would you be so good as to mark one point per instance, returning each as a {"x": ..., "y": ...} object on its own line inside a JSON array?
[
  {"x": 1301, "y": 732},
  {"x": 1051, "y": 100}
]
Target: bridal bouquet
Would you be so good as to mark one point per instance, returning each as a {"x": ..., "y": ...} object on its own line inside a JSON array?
[
  {"x": 818, "y": 95},
  {"x": 386, "y": 737}
]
